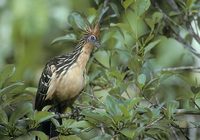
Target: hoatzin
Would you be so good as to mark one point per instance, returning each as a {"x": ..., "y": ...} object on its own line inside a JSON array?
[{"x": 63, "y": 77}]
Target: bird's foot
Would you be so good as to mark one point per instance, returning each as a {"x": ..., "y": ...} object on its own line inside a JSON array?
[{"x": 76, "y": 113}]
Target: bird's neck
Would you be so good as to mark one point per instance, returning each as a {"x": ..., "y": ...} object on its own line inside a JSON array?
[{"x": 85, "y": 55}]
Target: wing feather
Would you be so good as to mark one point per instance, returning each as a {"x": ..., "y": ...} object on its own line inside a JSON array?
[{"x": 57, "y": 65}]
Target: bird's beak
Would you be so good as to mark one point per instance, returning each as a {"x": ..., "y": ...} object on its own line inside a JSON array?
[{"x": 97, "y": 44}]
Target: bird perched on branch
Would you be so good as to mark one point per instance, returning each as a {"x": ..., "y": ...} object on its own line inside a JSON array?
[{"x": 63, "y": 77}]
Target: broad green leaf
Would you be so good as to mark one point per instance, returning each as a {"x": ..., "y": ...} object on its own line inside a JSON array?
[
  {"x": 189, "y": 3},
  {"x": 80, "y": 124},
  {"x": 125, "y": 111},
  {"x": 112, "y": 106},
  {"x": 42, "y": 116},
  {"x": 195, "y": 90},
  {"x": 68, "y": 122},
  {"x": 3, "y": 117},
  {"x": 137, "y": 28},
  {"x": 94, "y": 75},
  {"x": 114, "y": 8},
  {"x": 141, "y": 6},
  {"x": 127, "y": 3},
  {"x": 132, "y": 102},
  {"x": 13, "y": 88},
  {"x": 98, "y": 116},
  {"x": 20, "y": 112},
  {"x": 139, "y": 131},
  {"x": 150, "y": 46},
  {"x": 117, "y": 74},
  {"x": 31, "y": 89},
  {"x": 4, "y": 131},
  {"x": 71, "y": 137},
  {"x": 6, "y": 73},
  {"x": 150, "y": 23},
  {"x": 68, "y": 37},
  {"x": 97, "y": 2},
  {"x": 103, "y": 137},
  {"x": 55, "y": 122},
  {"x": 9, "y": 93},
  {"x": 171, "y": 108},
  {"x": 157, "y": 16},
  {"x": 40, "y": 134},
  {"x": 77, "y": 21},
  {"x": 141, "y": 79},
  {"x": 128, "y": 132},
  {"x": 27, "y": 136}
]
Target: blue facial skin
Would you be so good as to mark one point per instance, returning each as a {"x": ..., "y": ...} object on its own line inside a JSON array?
[{"x": 92, "y": 39}]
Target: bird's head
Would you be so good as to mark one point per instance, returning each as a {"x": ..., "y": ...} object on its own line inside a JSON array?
[{"x": 92, "y": 35}]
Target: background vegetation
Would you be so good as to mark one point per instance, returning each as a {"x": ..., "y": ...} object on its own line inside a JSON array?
[{"x": 143, "y": 83}]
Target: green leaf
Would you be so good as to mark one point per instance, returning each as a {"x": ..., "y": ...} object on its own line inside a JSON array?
[
  {"x": 195, "y": 90},
  {"x": 171, "y": 108},
  {"x": 112, "y": 106},
  {"x": 141, "y": 79},
  {"x": 97, "y": 2},
  {"x": 103, "y": 137},
  {"x": 141, "y": 6},
  {"x": 150, "y": 23},
  {"x": 157, "y": 16},
  {"x": 77, "y": 21},
  {"x": 128, "y": 132},
  {"x": 55, "y": 122},
  {"x": 150, "y": 46},
  {"x": 80, "y": 124},
  {"x": 6, "y": 73},
  {"x": 42, "y": 116},
  {"x": 40, "y": 135},
  {"x": 117, "y": 74},
  {"x": 189, "y": 3},
  {"x": 68, "y": 122},
  {"x": 68, "y": 37},
  {"x": 4, "y": 130},
  {"x": 9, "y": 93},
  {"x": 132, "y": 102},
  {"x": 114, "y": 8},
  {"x": 13, "y": 88},
  {"x": 31, "y": 89},
  {"x": 97, "y": 115},
  {"x": 3, "y": 117},
  {"x": 71, "y": 137},
  {"x": 21, "y": 110},
  {"x": 127, "y": 3}
]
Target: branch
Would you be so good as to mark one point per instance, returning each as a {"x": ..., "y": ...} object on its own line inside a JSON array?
[
  {"x": 178, "y": 37},
  {"x": 181, "y": 68},
  {"x": 155, "y": 121},
  {"x": 173, "y": 4},
  {"x": 187, "y": 112}
]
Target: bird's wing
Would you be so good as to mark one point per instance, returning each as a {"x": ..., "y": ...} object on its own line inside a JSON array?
[{"x": 44, "y": 82}]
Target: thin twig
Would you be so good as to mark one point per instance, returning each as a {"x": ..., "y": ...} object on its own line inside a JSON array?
[
  {"x": 196, "y": 104},
  {"x": 181, "y": 68},
  {"x": 187, "y": 112},
  {"x": 174, "y": 132},
  {"x": 173, "y": 124},
  {"x": 102, "y": 129},
  {"x": 155, "y": 121}
]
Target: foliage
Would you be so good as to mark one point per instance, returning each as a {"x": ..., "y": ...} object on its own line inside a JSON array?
[{"x": 137, "y": 84}]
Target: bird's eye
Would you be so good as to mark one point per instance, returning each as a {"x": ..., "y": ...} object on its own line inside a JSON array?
[{"x": 92, "y": 38}]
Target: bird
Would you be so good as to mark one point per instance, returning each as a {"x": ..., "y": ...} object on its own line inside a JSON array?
[{"x": 63, "y": 77}]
